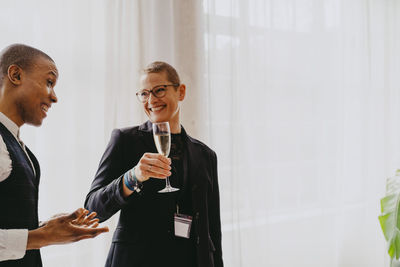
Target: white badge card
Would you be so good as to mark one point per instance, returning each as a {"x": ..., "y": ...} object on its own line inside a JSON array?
[{"x": 182, "y": 225}]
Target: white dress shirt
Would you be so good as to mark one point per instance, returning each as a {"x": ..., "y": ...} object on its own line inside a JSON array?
[
  {"x": 12, "y": 241},
  {"x": 13, "y": 244}
]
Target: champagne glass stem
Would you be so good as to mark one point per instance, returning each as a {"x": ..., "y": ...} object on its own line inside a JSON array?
[{"x": 167, "y": 184}]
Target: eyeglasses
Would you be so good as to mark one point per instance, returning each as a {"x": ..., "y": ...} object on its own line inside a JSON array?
[{"x": 157, "y": 91}]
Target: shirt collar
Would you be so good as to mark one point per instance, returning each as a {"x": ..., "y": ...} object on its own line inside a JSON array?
[
  {"x": 148, "y": 127},
  {"x": 10, "y": 125}
]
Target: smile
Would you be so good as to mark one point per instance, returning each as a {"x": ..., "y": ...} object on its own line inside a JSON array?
[
  {"x": 44, "y": 107},
  {"x": 154, "y": 109}
]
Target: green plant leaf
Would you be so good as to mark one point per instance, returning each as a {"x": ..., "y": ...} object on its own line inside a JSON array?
[{"x": 390, "y": 215}]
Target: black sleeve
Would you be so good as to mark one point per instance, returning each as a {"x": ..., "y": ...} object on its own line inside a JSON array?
[
  {"x": 105, "y": 196},
  {"x": 214, "y": 213}
]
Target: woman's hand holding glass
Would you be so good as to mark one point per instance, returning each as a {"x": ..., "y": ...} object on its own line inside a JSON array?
[{"x": 153, "y": 165}]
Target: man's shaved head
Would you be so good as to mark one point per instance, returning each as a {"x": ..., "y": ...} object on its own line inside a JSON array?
[{"x": 21, "y": 55}]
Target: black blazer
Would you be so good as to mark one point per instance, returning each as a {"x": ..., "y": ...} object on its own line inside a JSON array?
[{"x": 136, "y": 237}]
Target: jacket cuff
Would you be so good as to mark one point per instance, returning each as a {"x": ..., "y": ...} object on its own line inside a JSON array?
[{"x": 120, "y": 199}]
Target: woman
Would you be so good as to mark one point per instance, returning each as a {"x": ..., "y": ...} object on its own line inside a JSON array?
[{"x": 131, "y": 172}]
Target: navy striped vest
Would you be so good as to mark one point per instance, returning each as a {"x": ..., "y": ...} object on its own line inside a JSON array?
[{"x": 19, "y": 197}]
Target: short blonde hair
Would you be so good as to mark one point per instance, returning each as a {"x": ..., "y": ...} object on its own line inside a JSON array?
[{"x": 160, "y": 66}]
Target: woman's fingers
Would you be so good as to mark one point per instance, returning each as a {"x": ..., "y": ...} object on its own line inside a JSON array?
[{"x": 154, "y": 165}]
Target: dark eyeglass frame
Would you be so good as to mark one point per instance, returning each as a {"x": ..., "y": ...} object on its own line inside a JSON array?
[{"x": 152, "y": 91}]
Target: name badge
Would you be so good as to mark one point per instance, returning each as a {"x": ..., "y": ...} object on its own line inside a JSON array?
[{"x": 182, "y": 225}]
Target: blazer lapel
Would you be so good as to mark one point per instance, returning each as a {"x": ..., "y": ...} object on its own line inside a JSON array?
[
  {"x": 147, "y": 131},
  {"x": 191, "y": 165},
  {"x": 185, "y": 166}
]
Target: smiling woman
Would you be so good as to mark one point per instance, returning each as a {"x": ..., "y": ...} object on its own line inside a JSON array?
[
  {"x": 166, "y": 106},
  {"x": 155, "y": 222}
]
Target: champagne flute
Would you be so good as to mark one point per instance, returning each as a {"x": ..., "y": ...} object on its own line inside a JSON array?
[{"x": 162, "y": 139}]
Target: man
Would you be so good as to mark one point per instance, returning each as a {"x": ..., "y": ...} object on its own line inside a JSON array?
[
  {"x": 27, "y": 80},
  {"x": 159, "y": 229}
]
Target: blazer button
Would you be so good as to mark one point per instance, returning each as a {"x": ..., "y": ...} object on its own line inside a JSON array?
[{"x": 197, "y": 215}]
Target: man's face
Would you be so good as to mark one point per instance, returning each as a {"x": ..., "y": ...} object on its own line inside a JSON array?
[
  {"x": 165, "y": 108},
  {"x": 36, "y": 93}
]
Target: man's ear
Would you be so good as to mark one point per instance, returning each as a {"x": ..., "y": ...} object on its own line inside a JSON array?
[
  {"x": 14, "y": 74},
  {"x": 182, "y": 92}
]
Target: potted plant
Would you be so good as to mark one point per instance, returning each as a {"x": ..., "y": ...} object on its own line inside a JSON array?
[{"x": 390, "y": 218}]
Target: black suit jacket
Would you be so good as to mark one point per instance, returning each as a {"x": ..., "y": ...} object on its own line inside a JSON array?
[{"x": 138, "y": 238}]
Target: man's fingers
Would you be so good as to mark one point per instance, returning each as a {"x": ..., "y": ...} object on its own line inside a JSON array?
[
  {"x": 89, "y": 219},
  {"x": 82, "y": 218},
  {"x": 76, "y": 214},
  {"x": 91, "y": 222},
  {"x": 82, "y": 231},
  {"x": 95, "y": 225},
  {"x": 86, "y": 236},
  {"x": 85, "y": 220},
  {"x": 91, "y": 215}
]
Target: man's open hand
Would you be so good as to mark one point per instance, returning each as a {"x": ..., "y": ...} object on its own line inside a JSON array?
[{"x": 64, "y": 229}]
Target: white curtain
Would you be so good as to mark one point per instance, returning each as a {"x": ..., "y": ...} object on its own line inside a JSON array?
[
  {"x": 299, "y": 98},
  {"x": 303, "y": 102}
]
